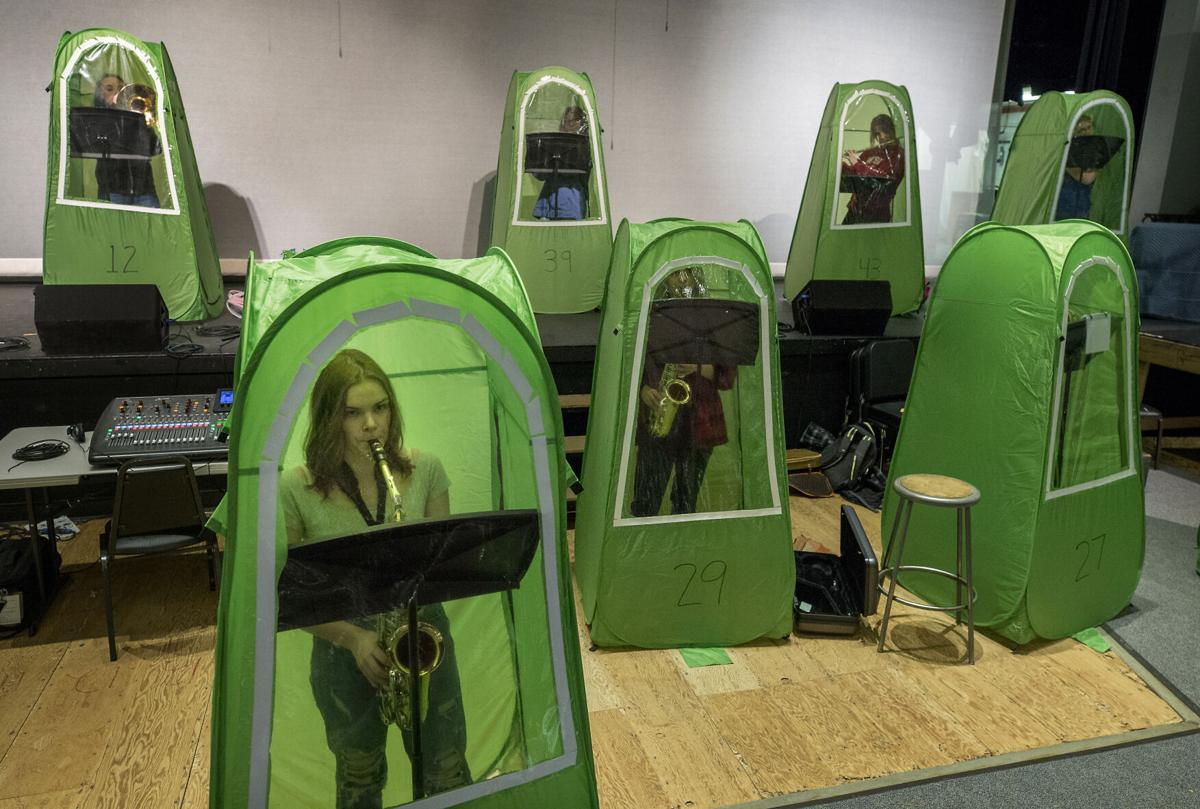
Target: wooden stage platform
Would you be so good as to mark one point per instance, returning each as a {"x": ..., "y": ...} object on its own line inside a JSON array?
[{"x": 823, "y": 715}]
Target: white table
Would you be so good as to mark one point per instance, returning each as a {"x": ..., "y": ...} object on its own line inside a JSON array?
[{"x": 65, "y": 470}]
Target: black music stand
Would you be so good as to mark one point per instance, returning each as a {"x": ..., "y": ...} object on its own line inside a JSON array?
[
  {"x": 1092, "y": 151},
  {"x": 555, "y": 154},
  {"x": 703, "y": 331},
  {"x": 106, "y": 133},
  {"x": 403, "y": 566}
]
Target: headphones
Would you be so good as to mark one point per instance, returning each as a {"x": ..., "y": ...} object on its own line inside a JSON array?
[{"x": 76, "y": 431}]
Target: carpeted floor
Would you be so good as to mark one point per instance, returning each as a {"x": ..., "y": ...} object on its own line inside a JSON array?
[{"x": 1162, "y": 626}]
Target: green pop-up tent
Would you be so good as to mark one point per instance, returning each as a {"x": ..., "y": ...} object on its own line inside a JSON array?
[
  {"x": 702, "y": 556},
  {"x": 1071, "y": 158},
  {"x": 271, "y": 286},
  {"x": 458, "y": 345},
  {"x": 1025, "y": 385},
  {"x": 550, "y": 212},
  {"x": 124, "y": 202},
  {"x": 860, "y": 217}
]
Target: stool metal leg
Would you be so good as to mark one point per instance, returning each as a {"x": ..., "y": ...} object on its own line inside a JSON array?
[
  {"x": 887, "y": 550},
  {"x": 958, "y": 564},
  {"x": 905, "y": 512},
  {"x": 966, "y": 518}
]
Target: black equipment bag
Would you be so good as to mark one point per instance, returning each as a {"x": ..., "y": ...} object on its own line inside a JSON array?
[
  {"x": 21, "y": 603},
  {"x": 846, "y": 460},
  {"x": 852, "y": 464}
]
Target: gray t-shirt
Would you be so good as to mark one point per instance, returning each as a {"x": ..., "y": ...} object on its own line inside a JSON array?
[{"x": 312, "y": 516}]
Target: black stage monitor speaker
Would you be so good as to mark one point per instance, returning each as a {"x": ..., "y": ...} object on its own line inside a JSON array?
[
  {"x": 843, "y": 307},
  {"x": 97, "y": 318}
]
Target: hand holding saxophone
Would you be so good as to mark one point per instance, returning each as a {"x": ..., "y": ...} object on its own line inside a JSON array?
[{"x": 369, "y": 656}]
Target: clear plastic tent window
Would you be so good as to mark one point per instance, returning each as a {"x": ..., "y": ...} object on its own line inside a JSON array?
[
  {"x": 456, "y": 437},
  {"x": 873, "y": 148},
  {"x": 114, "y": 150},
  {"x": 1092, "y": 419},
  {"x": 556, "y": 151},
  {"x": 1093, "y": 176},
  {"x": 696, "y": 439}
]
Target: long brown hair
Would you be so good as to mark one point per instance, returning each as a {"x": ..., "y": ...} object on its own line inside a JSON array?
[{"x": 325, "y": 446}]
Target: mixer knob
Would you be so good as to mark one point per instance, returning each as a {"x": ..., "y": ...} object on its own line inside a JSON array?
[{"x": 140, "y": 406}]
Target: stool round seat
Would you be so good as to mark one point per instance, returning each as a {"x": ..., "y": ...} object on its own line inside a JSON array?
[{"x": 937, "y": 490}]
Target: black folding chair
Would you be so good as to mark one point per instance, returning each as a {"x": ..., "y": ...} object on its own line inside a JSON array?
[{"x": 157, "y": 509}]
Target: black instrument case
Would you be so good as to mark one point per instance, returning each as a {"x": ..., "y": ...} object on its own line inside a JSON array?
[{"x": 834, "y": 591}]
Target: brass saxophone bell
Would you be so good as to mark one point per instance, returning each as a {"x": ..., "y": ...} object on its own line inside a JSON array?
[
  {"x": 678, "y": 392},
  {"x": 137, "y": 98},
  {"x": 394, "y": 699},
  {"x": 674, "y": 392}
]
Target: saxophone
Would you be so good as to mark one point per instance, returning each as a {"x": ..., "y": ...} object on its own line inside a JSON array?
[
  {"x": 379, "y": 456},
  {"x": 394, "y": 702},
  {"x": 674, "y": 392},
  {"x": 392, "y": 631}
]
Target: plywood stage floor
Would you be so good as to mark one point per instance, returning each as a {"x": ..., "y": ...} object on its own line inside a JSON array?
[
  {"x": 786, "y": 721},
  {"x": 811, "y": 718}
]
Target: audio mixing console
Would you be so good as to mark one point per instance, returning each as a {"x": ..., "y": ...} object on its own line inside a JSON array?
[{"x": 152, "y": 426}]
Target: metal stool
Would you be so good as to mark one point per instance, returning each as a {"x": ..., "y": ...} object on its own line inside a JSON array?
[{"x": 945, "y": 492}]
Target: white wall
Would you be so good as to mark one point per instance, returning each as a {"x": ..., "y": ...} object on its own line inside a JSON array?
[
  {"x": 388, "y": 124},
  {"x": 1168, "y": 174}
]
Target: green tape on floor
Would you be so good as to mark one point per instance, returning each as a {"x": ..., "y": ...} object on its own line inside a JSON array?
[
  {"x": 696, "y": 658},
  {"x": 1093, "y": 640}
]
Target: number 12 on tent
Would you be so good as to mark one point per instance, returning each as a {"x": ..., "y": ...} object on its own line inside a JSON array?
[
  {"x": 698, "y": 589},
  {"x": 115, "y": 259}
]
